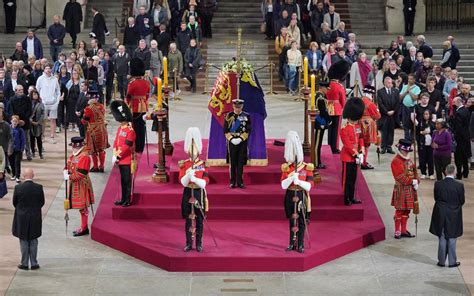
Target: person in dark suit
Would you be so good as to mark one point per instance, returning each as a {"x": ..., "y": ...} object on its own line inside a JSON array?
[
  {"x": 459, "y": 123},
  {"x": 99, "y": 28},
  {"x": 409, "y": 61},
  {"x": 446, "y": 220},
  {"x": 81, "y": 104},
  {"x": 72, "y": 15},
  {"x": 388, "y": 99},
  {"x": 409, "y": 11},
  {"x": 28, "y": 199},
  {"x": 9, "y": 7}
]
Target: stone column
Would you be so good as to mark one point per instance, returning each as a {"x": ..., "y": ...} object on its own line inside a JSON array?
[{"x": 396, "y": 22}]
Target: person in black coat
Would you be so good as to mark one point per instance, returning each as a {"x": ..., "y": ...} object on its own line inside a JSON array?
[
  {"x": 163, "y": 40},
  {"x": 21, "y": 105},
  {"x": 28, "y": 199},
  {"x": 99, "y": 28},
  {"x": 72, "y": 15},
  {"x": 9, "y": 7},
  {"x": 131, "y": 36},
  {"x": 81, "y": 104},
  {"x": 388, "y": 99},
  {"x": 409, "y": 11},
  {"x": 446, "y": 220},
  {"x": 459, "y": 124}
]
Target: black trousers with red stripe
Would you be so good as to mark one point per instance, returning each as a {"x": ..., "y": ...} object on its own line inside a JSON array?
[{"x": 349, "y": 177}]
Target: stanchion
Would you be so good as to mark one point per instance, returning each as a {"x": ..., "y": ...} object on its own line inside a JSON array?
[
  {"x": 271, "y": 92},
  {"x": 175, "y": 85},
  {"x": 206, "y": 78},
  {"x": 160, "y": 175},
  {"x": 115, "y": 86},
  {"x": 306, "y": 143},
  {"x": 299, "y": 97},
  {"x": 167, "y": 143}
]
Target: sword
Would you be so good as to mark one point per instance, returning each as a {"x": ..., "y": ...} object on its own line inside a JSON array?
[
  {"x": 306, "y": 225},
  {"x": 378, "y": 154},
  {"x": 198, "y": 205},
  {"x": 146, "y": 146}
]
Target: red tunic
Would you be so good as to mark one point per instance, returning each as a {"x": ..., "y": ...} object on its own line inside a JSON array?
[
  {"x": 199, "y": 167},
  {"x": 124, "y": 144},
  {"x": 137, "y": 95},
  {"x": 97, "y": 139},
  {"x": 352, "y": 142},
  {"x": 336, "y": 96},
  {"x": 403, "y": 171},
  {"x": 200, "y": 173},
  {"x": 368, "y": 121},
  {"x": 305, "y": 173},
  {"x": 81, "y": 194}
]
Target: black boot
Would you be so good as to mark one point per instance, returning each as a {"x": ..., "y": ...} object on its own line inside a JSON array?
[
  {"x": 199, "y": 242},
  {"x": 291, "y": 246}
]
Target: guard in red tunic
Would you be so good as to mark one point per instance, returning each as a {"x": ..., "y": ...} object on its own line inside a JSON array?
[
  {"x": 336, "y": 96},
  {"x": 80, "y": 194},
  {"x": 194, "y": 177},
  {"x": 137, "y": 101},
  {"x": 97, "y": 139},
  {"x": 124, "y": 150},
  {"x": 297, "y": 180},
  {"x": 368, "y": 122},
  {"x": 404, "y": 194},
  {"x": 352, "y": 153}
]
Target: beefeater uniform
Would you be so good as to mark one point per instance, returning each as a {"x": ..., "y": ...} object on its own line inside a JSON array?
[
  {"x": 336, "y": 96},
  {"x": 237, "y": 126},
  {"x": 404, "y": 194},
  {"x": 368, "y": 122},
  {"x": 137, "y": 100},
  {"x": 81, "y": 194},
  {"x": 124, "y": 150},
  {"x": 303, "y": 201},
  {"x": 97, "y": 139},
  {"x": 353, "y": 143},
  {"x": 193, "y": 190}
]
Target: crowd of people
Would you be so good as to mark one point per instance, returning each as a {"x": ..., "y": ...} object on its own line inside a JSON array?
[{"x": 428, "y": 100}]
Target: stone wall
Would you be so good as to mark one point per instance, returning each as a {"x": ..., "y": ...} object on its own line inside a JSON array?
[{"x": 395, "y": 19}]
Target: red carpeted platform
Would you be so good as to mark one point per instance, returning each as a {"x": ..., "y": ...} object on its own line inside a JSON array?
[{"x": 249, "y": 224}]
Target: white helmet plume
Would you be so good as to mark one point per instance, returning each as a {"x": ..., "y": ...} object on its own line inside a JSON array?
[
  {"x": 193, "y": 133},
  {"x": 293, "y": 147}
]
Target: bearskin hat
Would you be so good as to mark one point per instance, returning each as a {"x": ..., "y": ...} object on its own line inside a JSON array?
[
  {"x": 339, "y": 70},
  {"x": 137, "y": 67},
  {"x": 354, "y": 109},
  {"x": 120, "y": 111}
]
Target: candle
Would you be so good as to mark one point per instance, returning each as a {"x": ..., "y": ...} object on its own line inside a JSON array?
[
  {"x": 305, "y": 73},
  {"x": 313, "y": 88},
  {"x": 159, "y": 93},
  {"x": 165, "y": 71}
]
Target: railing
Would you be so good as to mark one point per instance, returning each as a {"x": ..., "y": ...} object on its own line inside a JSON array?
[{"x": 449, "y": 14}]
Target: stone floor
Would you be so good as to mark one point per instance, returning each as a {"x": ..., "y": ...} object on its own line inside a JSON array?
[{"x": 80, "y": 266}]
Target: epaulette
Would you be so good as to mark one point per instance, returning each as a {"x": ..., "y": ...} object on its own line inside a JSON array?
[
  {"x": 285, "y": 168},
  {"x": 310, "y": 167},
  {"x": 181, "y": 163}
]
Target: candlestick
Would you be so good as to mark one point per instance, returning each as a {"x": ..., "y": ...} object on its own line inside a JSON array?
[
  {"x": 159, "y": 95},
  {"x": 165, "y": 71},
  {"x": 305, "y": 73},
  {"x": 313, "y": 89}
]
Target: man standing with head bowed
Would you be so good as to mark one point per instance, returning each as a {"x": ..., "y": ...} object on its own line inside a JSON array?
[{"x": 237, "y": 128}]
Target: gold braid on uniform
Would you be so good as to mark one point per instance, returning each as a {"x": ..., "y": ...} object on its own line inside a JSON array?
[
  {"x": 310, "y": 167},
  {"x": 285, "y": 168}
]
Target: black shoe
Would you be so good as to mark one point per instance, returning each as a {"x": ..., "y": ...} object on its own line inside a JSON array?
[
  {"x": 356, "y": 201},
  {"x": 301, "y": 249},
  {"x": 29, "y": 158},
  {"x": 35, "y": 267},
  {"x": 397, "y": 236},
  {"x": 101, "y": 170},
  {"x": 383, "y": 151},
  {"x": 337, "y": 151},
  {"x": 291, "y": 247},
  {"x": 232, "y": 186},
  {"x": 23, "y": 267},
  {"x": 439, "y": 264},
  {"x": 407, "y": 234},
  {"x": 390, "y": 151},
  {"x": 41, "y": 156},
  {"x": 81, "y": 233},
  {"x": 347, "y": 203},
  {"x": 187, "y": 248},
  {"x": 199, "y": 249},
  {"x": 241, "y": 186},
  {"x": 321, "y": 166},
  {"x": 367, "y": 167},
  {"x": 94, "y": 170},
  {"x": 118, "y": 202},
  {"x": 455, "y": 265},
  {"x": 126, "y": 204}
]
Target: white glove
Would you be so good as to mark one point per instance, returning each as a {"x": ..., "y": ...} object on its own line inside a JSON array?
[
  {"x": 296, "y": 179},
  {"x": 107, "y": 33},
  {"x": 359, "y": 159},
  {"x": 10, "y": 4},
  {"x": 193, "y": 178},
  {"x": 66, "y": 175},
  {"x": 145, "y": 117},
  {"x": 236, "y": 141},
  {"x": 92, "y": 35},
  {"x": 415, "y": 187},
  {"x": 191, "y": 173},
  {"x": 414, "y": 182},
  {"x": 114, "y": 159}
]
